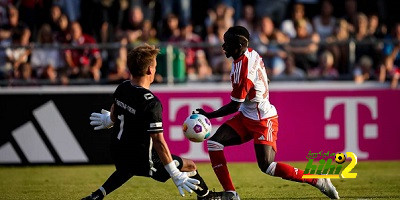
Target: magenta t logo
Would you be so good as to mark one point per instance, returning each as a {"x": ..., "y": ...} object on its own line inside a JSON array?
[{"x": 351, "y": 139}]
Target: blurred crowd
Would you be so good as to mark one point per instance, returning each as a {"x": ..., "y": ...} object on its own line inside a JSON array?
[{"x": 86, "y": 41}]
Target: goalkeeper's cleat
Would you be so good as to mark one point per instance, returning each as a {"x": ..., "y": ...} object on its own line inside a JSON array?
[
  {"x": 93, "y": 196},
  {"x": 325, "y": 186},
  {"x": 230, "y": 196},
  {"x": 211, "y": 195}
]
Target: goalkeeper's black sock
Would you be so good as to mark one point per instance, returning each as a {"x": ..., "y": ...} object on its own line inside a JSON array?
[
  {"x": 203, "y": 189},
  {"x": 118, "y": 178},
  {"x": 98, "y": 194}
]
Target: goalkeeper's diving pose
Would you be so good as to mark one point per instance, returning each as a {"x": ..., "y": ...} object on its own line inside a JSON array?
[{"x": 138, "y": 147}]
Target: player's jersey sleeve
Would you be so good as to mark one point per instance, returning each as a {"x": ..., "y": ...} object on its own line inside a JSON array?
[
  {"x": 154, "y": 117},
  {"x": 240, "y": 83}
]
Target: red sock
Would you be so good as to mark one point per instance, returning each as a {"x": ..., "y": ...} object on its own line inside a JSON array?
[
  {"x": 218, "y": 162},
  {"x": 290, "y": 173}
]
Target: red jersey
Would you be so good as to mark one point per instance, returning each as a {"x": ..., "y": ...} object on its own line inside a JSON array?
[
  {"x": 81, "y": 57},
  {"x": 250, "y": 86}
]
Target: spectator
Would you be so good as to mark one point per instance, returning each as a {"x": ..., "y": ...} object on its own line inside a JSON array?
[
  {"x": 351, "y": 14},
  {"x": 63, "y": 77},
  {"x": 120, "y": 73},
  {"x": 391, "y": 63},
  {"x": 170, "y": 28},
  {"x": 363, "y": 70},
  {"x": 46, "y": 53},
  {"x": 17, "y": 54},
  {"x": 224, "y": 70},
  {"x": 55, "y": 15},
  {"x": 63, "y": 36},
  {"x": 304, "y": 46},
  {"x": 188, "y": 38},
  {"x": 375, "y": 28},
  {"x": 325, "y": 68},
  {"x": 325, "y": 22},
  {"x": 338, "y": 46},
  {"x": 123, "y": 50},
  {"x": 298, "y": 14},
  {"x": 132, "y": 28},
  {"x": 249, "y": 19},
  {"x": 215, "y": 39},
  {"x": 222, "y": 13},
  {"x": 148, "y": 34},
  {"x": 148, "y": 7},
  {"x": 135, "y": 19},
  {"x": 14, "y": 26},
  {"x": 203, "y": 69},
  {"x": 49, "y": 74},
  {"x": 365, "y": 42},
  {"x": 268, "y": 43},
  {"x": 291, "y": 72},
  {"x": 24, "y": 76},
  {"x": 83, "y": 61}
]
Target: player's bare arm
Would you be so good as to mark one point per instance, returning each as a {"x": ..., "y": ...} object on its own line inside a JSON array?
[{"x": 225, "y": 110}]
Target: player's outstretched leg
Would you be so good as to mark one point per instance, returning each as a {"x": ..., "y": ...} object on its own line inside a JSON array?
[
  {"x": 116, "y": 179},
  {"x": 225, "y": 136},
  {"x": 265, "y": 158},
  {"x": 326, "y": 187}
]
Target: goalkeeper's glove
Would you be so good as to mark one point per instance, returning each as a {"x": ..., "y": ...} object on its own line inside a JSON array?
[
  {"x": 101, "y": 120},
  {"x": 181, "y": 179}
]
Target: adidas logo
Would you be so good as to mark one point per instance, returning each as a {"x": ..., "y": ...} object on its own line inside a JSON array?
[
  {"x": 261, "y": 137},
  {"x": 33, "y": 147}
]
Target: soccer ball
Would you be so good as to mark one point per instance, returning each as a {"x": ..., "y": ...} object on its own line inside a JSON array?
[
  {"x": 197, "y": 128},
  {"x": 340, "y": 158}
]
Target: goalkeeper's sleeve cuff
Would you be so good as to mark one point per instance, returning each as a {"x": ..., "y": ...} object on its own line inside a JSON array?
[
  {"x": 171, "y": 169},
  {"x": 109, "y": 122}
]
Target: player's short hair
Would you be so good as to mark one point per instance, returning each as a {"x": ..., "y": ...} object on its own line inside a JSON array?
[
  {"x": 242, "y": 34},
  {"x": 140, "y": 58}
]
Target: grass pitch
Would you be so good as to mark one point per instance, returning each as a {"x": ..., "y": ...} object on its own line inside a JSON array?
[{"x": 379, "y": 180}]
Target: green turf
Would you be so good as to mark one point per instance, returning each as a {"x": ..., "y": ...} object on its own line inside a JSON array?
[{"x": 374, "y": 180}]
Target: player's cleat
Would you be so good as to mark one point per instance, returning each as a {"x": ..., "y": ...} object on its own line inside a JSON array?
[
  {"x": 211, "y": 196},
  {"x": 325, "y": 186},
  {"x": 93, "y": 196},
  {"x": 230, "y": 196}
]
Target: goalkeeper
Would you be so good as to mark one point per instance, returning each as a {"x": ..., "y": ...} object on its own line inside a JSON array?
[{"x": 138, "y": 147}]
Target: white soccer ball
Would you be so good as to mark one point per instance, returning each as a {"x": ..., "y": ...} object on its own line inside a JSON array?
[{"x": 197, "y": 128}]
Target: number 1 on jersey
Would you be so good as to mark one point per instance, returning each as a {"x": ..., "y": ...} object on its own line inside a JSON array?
[{"x": 121, "y": 126}]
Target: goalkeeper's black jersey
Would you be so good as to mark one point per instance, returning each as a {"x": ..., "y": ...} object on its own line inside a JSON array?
[{"x": 139, "y": 114}]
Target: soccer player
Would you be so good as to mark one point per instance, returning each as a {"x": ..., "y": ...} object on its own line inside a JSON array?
[
  {"x": 257, "y": 118},
  {"x": 138, "y": 147}
]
